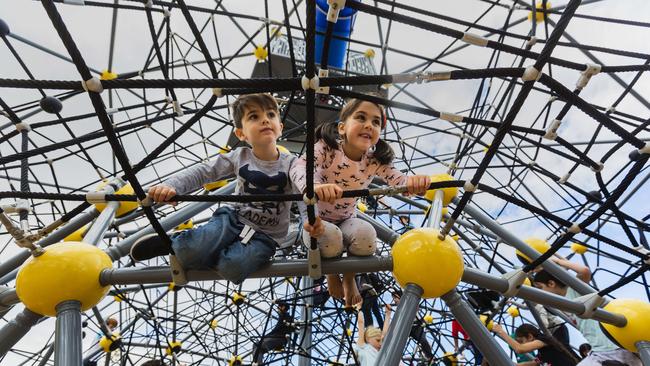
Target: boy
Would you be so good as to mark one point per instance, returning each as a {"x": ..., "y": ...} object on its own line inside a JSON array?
[
  {"x": 602, "y": 348},
  {"x": 242, "y": 237}
]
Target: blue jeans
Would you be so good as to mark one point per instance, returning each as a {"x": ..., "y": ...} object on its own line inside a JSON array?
[{"x": 217, "y": 245}]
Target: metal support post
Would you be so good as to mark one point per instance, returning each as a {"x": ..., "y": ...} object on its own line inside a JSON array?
[
  {"x": 306, "y": 317},
  {"x": 644, "y": 351},
  {"x": 435, "y": 216},
  {"x": 67, "y": 341},
  {"x": 14, "y": 330},
  {"x": 96, "y": 232},
  {"x": 398, "y": 331},
  {"x": 477, "y": 332}
]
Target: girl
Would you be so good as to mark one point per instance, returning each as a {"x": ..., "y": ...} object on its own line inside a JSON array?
[
  {"x": 528, "y": 338},
  {"x": 370, "y": 339},
  {"x": 348, "y": 155}
]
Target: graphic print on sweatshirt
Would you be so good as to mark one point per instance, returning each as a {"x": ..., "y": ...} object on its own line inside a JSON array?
[{"x": 257, "y": 182}]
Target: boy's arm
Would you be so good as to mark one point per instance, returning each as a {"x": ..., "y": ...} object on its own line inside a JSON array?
[
  {"x": 193, "y": 178},
  {"x": 362, "y": 330},
  {"x": 384, "y": 330},
  {"x": 582, "y": 272}
]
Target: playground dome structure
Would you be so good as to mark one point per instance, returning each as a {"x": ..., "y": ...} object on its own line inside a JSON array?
[{"x": 530, "y": 117}]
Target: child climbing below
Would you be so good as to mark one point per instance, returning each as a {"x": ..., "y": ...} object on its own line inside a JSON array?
[
  {"x": 528, "y": 338},
  {"x": 239, "y": 239},
  {"x": 370, "y": 339},
  {"x": 348, "y": 155}
]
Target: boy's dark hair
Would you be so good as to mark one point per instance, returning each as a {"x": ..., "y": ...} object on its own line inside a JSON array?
[
  {"x": 153, "y": 363},
  {"x": 544, "y": 277},
  {"x": 584, "y": 349},
  {"x": 329, "y": 133},
  {"x": 264, "y": 100}
]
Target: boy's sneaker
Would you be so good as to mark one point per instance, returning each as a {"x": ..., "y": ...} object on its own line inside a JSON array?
[{"x": 147, "y": 247}]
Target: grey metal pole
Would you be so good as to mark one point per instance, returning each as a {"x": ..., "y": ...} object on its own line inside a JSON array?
[
  {"x": 67, "y": 341},
  {"x": 279, "y": 268},
  {"x": 477, "y": 332},
  {"x": 644, "y": 351},
  {"x": 122, "y": 248},
  {"x": 517, "y": 243},
  {"x": 384, "y": 233},
  {"x": 398, "y": 331},
  {"x": 46, "y": 357},
  {"x": 14, "y": 262},
  {"x": 435, "y": 215},
  {"x": 96, "y": 232},
  {"x": 14, "y": 330},
  {"x": 8, "y": 298},
  {"x": 306, "y": 317}
]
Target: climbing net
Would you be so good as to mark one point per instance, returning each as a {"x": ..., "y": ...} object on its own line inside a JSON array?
[{"x": 541, "y": 124}]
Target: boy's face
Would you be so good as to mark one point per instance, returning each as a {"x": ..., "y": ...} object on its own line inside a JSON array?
[
  {"x": 260, "y": 127},
  {"x": 375, "y": 342}
]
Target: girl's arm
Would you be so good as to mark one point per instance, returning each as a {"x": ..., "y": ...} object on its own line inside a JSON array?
[
  {"x": 582, "y": 272},
  {"x": 298, "y": 168},
  {"x": 389, "y": 312},
  {"x": 362, "y": 329},
  {"x": 516, "y": 346},
  {"x": 416, "y": 184}
]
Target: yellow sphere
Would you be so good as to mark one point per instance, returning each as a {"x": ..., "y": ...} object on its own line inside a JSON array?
[
  {"x": 184, "y": 226},
  {"x": 540, "y": 245},
  {"x": 125, "y": 206},
  {"x": 450, "y": 192},
  {"x": 370, "y": 53},
  {"x": 348, "y": 331},
  {"x": 637, "y": 313},
  {"x": 451, "y": 357},
  {"x": 235, "y": 360},
  {"x": 421, "y": 258},
  {"x": 173, "y": 347},
  {"x": 539, "y": 15},
  {"x": 108, "y": 75},
  {"x": 66, "y": 271},
  {"x": 214, "y": 324},
  {"x": 428, "y": 318},
  {"x": 261, "y": 53},
  {"x": 362, "y": 206},
  {"x": 579, "y": 248},
  {"x": 238, "y": 298},
  {"x": 484, "y": 321},
  {"x": 513, "y": 311},
  {"x": 110, "y": 344}
]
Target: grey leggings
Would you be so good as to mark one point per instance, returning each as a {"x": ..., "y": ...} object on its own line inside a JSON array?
[{"x": 354, "y": 235}]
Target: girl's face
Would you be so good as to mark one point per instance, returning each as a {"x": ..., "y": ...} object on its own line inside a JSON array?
[
  {"x": 375, "y": 342},
  {"x": 361, "y": 130},
  {"x": 526, "y": 339}
]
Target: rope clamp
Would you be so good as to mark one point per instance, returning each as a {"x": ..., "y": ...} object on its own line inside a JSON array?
[
  {"x": 645, "y": 149},
  {"x": 645, "y": 252},
  {"x": 312, "y": 83},
  {"x": 22, "y": 126},
  {"x": 551, "y": 132},
  {"x": 177, "y": 108},
  {"x": 217, "y": 92},
  {"x": 451, "y": 117},
  {"x": 585, "y": 76},
  {"x": 599, "y": 168},
  {"x": 574, "y": 229},
  {"x": 591, "y": 303},
  {"x": 148, "y": 4},
  {"x": 96, "y": 197},
  {"x": 410, "y": 77},
  {"x": 74, "y": 2},
  {"x": 93, "y": 85},
  {"x": 531, "y": 74},
  {"x": 314, "y": 263},
  {"x": 309, "y": 201},
  {"x": 532, "y": 41},
  {"x": 564, "y": 178},
  {"x": 436, "y": 76},
  {"x": 334, "y": 9},
  {"x": 515, "y": 280},
  {"x": 323, "y": 73},
  {"x": 469, "y": 186},
  {"x": 474, "y": 39}
]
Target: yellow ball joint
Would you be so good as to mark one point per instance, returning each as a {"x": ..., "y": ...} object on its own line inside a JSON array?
[
  {"x": 235, "y": 360},
  {"x": 578, "y": 248},
  {"x": 484, "y": 320},
  {"x": 450, "y": 359},
  {"x": 112, "y": 343},
  {"x": 220, "y": 183},
  {"x": 66, "y": 271},
  {"x": 214, "y": 324},
  {"x": 637, "y": 329},
  {"x": 428, "y": 319},
  {"x": 539, "y": 12},
  {"x": 238, "y": 298},
  {"x": 513, "y": 311},
  {"x": 450, "y": 192},
  {"x": 540, "y": 245},
  {"x": 261, "y": 53},
  {"x": 125, "y": 206},
  {"x": 420, "y": 257},
  {"x": 173, "y": 348}
]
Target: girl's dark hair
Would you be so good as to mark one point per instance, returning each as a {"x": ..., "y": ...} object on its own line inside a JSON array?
[
  {"x": 328, "y": 132},
  {"x": 543, "y": 276},
  {"x": 525, "y": 330}
]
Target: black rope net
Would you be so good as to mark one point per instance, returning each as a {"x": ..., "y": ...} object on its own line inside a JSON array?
[{"x": 547, "y": 153}]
